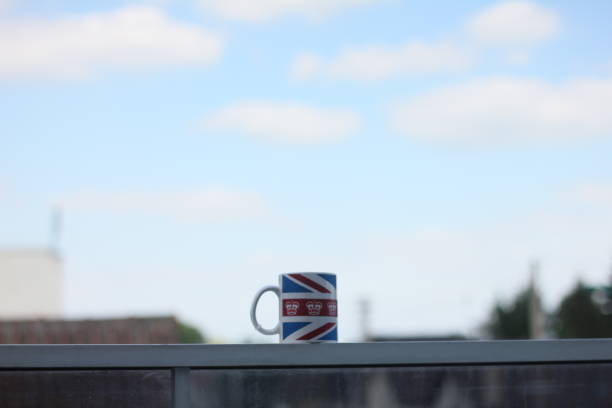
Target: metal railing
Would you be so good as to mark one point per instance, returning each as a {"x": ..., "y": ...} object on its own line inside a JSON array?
[{"x": 181, "y": 359}]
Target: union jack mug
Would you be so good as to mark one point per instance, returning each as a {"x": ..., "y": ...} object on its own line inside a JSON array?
[{"x": 308, "y": 310}]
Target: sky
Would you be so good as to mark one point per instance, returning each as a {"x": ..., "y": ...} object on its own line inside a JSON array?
[{"x": 425, "y": 152}]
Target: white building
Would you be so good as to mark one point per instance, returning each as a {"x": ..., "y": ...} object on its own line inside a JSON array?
[{"x": 30, "y": 284}]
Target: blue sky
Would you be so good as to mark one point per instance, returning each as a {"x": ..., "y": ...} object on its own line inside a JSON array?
[{"x": 424, "y": 152}]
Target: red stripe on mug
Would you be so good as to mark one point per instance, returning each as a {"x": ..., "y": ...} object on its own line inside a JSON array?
[
  {"x": 318, "y": 331},
  {"x": 309, "y": 282}
]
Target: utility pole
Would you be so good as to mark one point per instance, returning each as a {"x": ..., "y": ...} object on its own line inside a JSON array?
[
  {"x": 536, "y": 314},
  {"x": 364, "y": 313}
]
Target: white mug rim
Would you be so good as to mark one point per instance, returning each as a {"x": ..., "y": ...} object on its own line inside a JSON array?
[{"x": 315, "y": 272}]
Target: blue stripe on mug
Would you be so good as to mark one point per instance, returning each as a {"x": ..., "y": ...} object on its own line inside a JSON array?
[
  {"x": 332, "y": 335},
  {"x": 292, "y": 327},
  {"x": 290, "y": 286},
  {"x": 329, "y": 277}
]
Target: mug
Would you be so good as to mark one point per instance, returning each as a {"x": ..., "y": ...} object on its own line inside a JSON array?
[{"x": 308, "y": 310}]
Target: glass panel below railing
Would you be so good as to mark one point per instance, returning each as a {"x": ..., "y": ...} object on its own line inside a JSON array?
[
  {"x": 507, "y": 386},
  {"x": 85, "y": 388}
]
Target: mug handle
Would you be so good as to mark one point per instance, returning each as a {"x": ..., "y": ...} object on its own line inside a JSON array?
[{"x": 256, "y": 324}]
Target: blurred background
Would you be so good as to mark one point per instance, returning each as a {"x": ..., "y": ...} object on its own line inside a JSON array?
[{"x": 160, "y": 161}]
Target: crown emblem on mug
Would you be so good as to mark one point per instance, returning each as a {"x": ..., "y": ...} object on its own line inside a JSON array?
[
  {"x": 292, "y": 307},
  {"x": 332, "y": 307},
  {"x": 314, "y": 308}
]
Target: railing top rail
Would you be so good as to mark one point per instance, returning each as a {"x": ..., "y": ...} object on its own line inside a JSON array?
[{"x": 309, "y": 355}]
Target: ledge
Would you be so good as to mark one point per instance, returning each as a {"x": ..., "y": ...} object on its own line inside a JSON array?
[{"x": 304, "y": 355}]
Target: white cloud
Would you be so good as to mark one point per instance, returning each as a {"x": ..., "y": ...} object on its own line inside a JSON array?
[
  {"x": 82, "y": 45},
  {"x": 514, "y": 23},
  {"x": 284, "y": 122},
  {"x": 506, "y": 111},
  {"x": 196, "y": 204},
  {"x": 375, "y": 62},
  {"x": 514, "y": 26},
  {"x": 265, "y": 10}
]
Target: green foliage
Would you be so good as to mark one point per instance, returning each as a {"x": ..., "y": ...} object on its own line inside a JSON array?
[
  {"x": 579, "y": 316},
  {"x": 510, "y": 321},
  {"x": 189, "y": 334}
]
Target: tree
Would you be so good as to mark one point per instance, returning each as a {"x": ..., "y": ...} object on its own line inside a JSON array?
[
  {"x": 524, "y": 317},
  {"x": 189, "y": 334},
  {"x": 579, "y": 316},
  {"x": 510, "y": 321}
]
